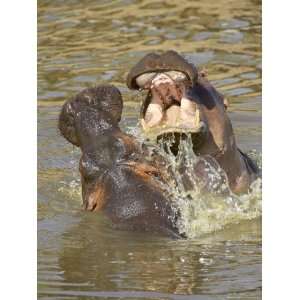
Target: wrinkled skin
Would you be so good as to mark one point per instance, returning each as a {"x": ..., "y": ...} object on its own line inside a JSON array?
[
  {"x": 181, "y": 100},
  {"x": 114, "y": 175}
]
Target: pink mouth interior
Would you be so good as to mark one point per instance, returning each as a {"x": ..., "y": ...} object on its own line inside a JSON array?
[{"x": 169, "y": 108}]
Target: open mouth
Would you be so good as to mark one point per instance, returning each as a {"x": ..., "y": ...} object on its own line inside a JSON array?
[{"x": 167, "y": 108}]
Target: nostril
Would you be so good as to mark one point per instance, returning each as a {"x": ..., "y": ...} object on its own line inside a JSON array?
[
  {"x": 94, "y": 207},
  {"x": 91, "y": 205}
]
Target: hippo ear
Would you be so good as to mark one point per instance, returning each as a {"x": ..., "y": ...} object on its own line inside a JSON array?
[
  {"x": 203, "y": 72},
  {"x": 103, "y": 98},
  {"x": 66, "y": 123}
]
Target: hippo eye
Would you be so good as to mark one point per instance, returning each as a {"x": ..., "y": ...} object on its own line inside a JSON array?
[
  {"x": 176, "y": 75},
  {"x": 144, "y": 79}
]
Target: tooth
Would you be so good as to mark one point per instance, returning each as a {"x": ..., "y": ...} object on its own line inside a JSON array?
[
  {"x": 172, "y": 115},
  {"x": 197, "y": 118},
  {"x": 189, "y": 113},
  {"x": 188, "y": 106},
  {"x": 154, "y": 114},
  {"x": 144, "y": 79},
  {"x": 187, "y": 110}
]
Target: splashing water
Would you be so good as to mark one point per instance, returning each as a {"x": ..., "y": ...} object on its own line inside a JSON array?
[
  {"x": 72, "y": 188},
  {"x": 206, "y": 203}
]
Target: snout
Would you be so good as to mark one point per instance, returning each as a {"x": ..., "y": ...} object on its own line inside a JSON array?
[
  {"x": 91, "y": 204},
  {"x": 94, "y": 198}
]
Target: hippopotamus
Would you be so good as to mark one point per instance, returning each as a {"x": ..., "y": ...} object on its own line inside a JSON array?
[
  {"x": 116, "y": 176},
  {"x": 181, "y": 100}
]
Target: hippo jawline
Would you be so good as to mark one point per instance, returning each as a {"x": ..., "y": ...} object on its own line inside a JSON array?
[{"x": 167, "y": 109}]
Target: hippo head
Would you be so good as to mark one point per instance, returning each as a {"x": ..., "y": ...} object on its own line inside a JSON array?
[
  {"x": 167, "y": 77},
  {"x": 90, "y": 121},
  {"x": 179, "y": 101}
]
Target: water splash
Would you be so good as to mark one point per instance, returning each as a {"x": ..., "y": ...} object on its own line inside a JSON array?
[
  {"x": 72, "y": 188},
  {"x": 206, "y": 203}
]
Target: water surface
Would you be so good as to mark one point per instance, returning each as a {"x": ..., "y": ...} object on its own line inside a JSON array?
[{"x": 84, "y": 43}]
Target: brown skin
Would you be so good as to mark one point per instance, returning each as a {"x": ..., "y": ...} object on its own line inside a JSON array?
[
  {"x": 115, "y": 177},
  {"x": 218, "y": 141},
  {"x": 169, "y": 60}
]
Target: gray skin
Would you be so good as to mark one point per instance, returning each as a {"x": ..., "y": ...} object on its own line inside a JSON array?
[
  {"x": 115, "y": 177},
  {"x": 216, "y": 138}
]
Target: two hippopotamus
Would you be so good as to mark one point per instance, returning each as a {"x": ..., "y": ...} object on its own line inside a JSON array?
[{"x": 116, "y": 177}]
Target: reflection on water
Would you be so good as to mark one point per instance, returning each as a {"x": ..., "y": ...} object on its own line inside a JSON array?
[{"x": 83, "y": 43}]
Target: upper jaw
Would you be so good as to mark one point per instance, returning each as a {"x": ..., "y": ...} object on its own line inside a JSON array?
[
  {"x": 168, "y": 109},
  {"x": 167, "y": 61}
]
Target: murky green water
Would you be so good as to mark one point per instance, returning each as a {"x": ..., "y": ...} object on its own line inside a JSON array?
[{"x": 83, "y": 43}]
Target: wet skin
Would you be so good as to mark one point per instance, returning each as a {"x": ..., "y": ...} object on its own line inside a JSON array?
[
  {"x": 180, "y": 100},
  {"x": 114, "y": 174},
  {"x": 116, "y": 178}
]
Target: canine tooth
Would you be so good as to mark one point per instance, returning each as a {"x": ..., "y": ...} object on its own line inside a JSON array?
[
  {"x": 154, "y": 114},
  {"x": 176, "y": 75},
  {"x": 172, "y": 115},
  {"x": 187, "y": 112},
  {"x": 188, "y": 105},
  {"x": 197, "y": 117},
  {"x": 143, "y": 79}
]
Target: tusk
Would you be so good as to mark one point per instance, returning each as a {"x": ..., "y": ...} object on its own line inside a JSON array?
[{"x": 154, "y": 114}]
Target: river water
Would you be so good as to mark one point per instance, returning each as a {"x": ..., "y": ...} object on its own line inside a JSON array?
[{"x": 84, "y": 43}]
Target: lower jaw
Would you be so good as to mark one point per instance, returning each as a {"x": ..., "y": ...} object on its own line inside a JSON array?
[
  {"x": 182, "y": 117},
  {"x": 165, "y": 128}
]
